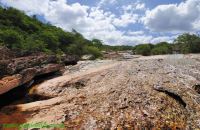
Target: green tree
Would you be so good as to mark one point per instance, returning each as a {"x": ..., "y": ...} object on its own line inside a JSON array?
[
  {"x": 143, "y": 49},
  {"x": 195, "y": 47},
  {"x": 97, "y": 43},
  {"x": 94, "y": 51},
  {"x": 50, "y": 39},
  {"x": 11, "y": 38},
  {"x": 34, "y": 44},
  {"x": 17, "y": 30},
  {"x": 76, "y": 49},
  {"x": 185, "y": 42},
  {"x": 161, "y": 48}
]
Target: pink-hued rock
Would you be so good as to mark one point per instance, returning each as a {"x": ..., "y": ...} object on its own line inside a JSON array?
[
  {"x": 17, "y": 69},
  {"x": 49, "y": 68},
  {"x": 9, "y": 82},
  {"x": 144, "y": 93},
  {"x": 16, "y": 65}
]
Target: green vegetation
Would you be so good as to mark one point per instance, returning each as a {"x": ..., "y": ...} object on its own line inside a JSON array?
[
  {"x": 21, "y": 32},
  {"x": 161, "y": 48},
  {"x": 185, "y": 43},
  {"x": 98, "y": 43},
  {"x": 143, "y": 49}
]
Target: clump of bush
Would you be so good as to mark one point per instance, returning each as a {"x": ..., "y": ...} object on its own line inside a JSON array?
[
  {"x": 94, "y": 51},
  {"x": 143, "y": 49},
  {"x": 161, "y": 48},
  {"x": 19, "y": 31},
  {"x": 150, "y": 49}
]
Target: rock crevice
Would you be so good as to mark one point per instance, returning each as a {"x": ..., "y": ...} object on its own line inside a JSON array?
[{"x": 16, "y": 71}]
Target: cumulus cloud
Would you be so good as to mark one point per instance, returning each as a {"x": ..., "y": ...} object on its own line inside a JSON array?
[
  {"x": 126, "y": 19},
  {"x": 135, "y": 6},
  {"x": 30, "y": 6},
  {"x": 135, "y": 33},
  {"x": 163, "y": 39},
  {"x": 67, "y": 16},
  {"x": 174, "y": 17},
  {"x": 103, "y": 2},
  {"x": 92, "y": 22},
  {"x": 57, "y": 12},
  {"x": 140, "y": 6}
]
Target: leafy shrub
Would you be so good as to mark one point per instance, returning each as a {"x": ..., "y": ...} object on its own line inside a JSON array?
[
  {"x": 94, "y": 51},
  {"x": 187, "y": 43},
  {"x": 11, "y": 38},
  {"x": 143, "y": 49},
  {"x": 161, "y": 48},
  {"x": 20, "y": 31}
]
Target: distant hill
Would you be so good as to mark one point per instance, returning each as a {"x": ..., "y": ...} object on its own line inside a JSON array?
[{"x": 19, "y": 31}]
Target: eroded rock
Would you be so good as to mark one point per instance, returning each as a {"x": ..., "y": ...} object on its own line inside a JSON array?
[
  {"x": 9, "y": 82},
  {"x": 16, "y": 70},
  {"x": 136, "y": 94}
]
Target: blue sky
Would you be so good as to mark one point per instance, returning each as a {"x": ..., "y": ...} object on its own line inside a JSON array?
[{"x": 118, "y": 22}]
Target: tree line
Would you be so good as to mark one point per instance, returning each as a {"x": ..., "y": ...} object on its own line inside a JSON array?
[
  {"x": 26, "y": 33},
  {"x": 184, "y": 44}
]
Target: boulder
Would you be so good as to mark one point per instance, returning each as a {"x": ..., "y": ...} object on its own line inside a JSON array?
[
  {"x": 9, "y": 82},
  {"x": 18, "y": 68},
  {"x": 27, "y": 75},
  {"x": 10, "y": 67},
  {"x": 49, "y": 68},
  {"x": 69, "y": 59}
]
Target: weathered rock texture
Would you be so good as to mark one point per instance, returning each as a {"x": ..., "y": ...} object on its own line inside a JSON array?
[
  {"x": 18, "y": 71},
  {"x": 148, "y": 92},
  {"x": 9, "y": 82},
  {"x": 6, "y": 53},
  {"x": 13, "y": 66}
]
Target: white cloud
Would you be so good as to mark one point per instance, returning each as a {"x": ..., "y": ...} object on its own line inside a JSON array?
[
  {"x": 30, "y": 6},
  {"x": 67, "y": 16},
  {"x": 162, "y": 39},
  {"x": 135, "y": 33},
  {"x": 140, "y": 6},
  {"x": 92, "y": 22},
  {"x": 103, "y": 2},
  {"x": 135, "y": 6},
  {"x": 125, "y": 19},
  {"x": 174, "y": 17},
  {"x": 133, "y": 40}
]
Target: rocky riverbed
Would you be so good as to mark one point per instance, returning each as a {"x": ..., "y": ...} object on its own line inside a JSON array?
[{"x": 156, "y": 92}]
